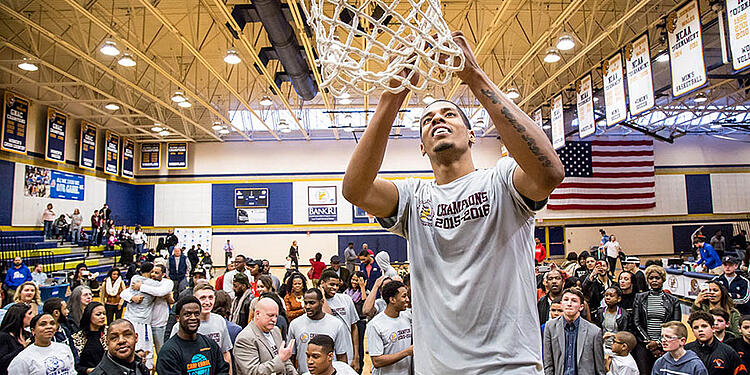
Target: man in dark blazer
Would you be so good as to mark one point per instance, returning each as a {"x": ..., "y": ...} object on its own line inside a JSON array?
[
  {"x": 258, "y": 349},
  {"x": 572, "y": 345}
]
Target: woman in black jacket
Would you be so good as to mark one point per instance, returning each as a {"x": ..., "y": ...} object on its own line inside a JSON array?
[
  {"x": 91, "y": 340},
  {"x": 652, "y": 309},
  {"x": 13, "y": 335}
]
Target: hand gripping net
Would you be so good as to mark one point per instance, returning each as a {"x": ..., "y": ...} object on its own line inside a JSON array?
[{"x": 418, "y": 41}]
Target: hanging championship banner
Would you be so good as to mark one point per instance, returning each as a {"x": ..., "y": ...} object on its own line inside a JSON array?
[
  {"x": 55, "y": 143},
  {"x": 150, "y": 153},
  {"x": 177, "y": 155},
  {"x": 614, "y": 90},
  {"x": 585, "y": 106},
  {"x": 538, "y": 118},
  {"x": 15, "y": 120},
  {"x": 738, "y": 14},
  {"x": 111, "y": 153},
  {"x": 686, "y": 49},
  {"x": 87, "y": 152},
  {"x": 640, "y": 84},
  {"x": 128, "y": 157},
  {"x": 558, "y": 125}
]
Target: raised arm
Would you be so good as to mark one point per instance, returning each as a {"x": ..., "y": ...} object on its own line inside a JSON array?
[{"x": 540, "y": 168}]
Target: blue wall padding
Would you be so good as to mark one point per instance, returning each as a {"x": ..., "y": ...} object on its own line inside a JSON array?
[
  {"x": 698, "y": 189},
  {"x": 393, "y": 244},
  {"x": 7, "y": 171},
  {"x": 279, "y": 203},
  {"x": 131, "y": 204}
]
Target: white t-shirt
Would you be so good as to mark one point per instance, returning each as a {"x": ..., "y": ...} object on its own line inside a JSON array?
[
  {"x": 341, "y": 369},
  {"x": 271, "y": 343},
  {"x": 303, "y": 329},
  {"x": 611, "y": 248},
  {"x": 215, "y": 328},
  {"x": 623, "y": 365},
  {"x": 160, "y": 311},
  {"x": 386, "y": 335},
  {"x": 56, "y": 359},
  {"x": 343, "y": 308},
  {"x": 471, "y": 233}
]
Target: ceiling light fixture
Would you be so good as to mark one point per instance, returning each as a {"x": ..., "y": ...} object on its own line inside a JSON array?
[
  {"x": 428, "y": 99},
  {"x": 513, "y": 94},
  {"x": 156, "y": 128},
  {"x": 28, "y": 66},
  {"x": 700, "y": 98},
  {"x": 112, "y": 106},
  {"x": 163, "y": 133},
  {"x": 565, "y": 43},
  {"x": 662, "y": 57},
  {"x": 178, "y": 97},
  {"x": 232, "y": 57},
  {"x": 109, "y": 48},
  {"x": 185, "y": 104},
  {"x": 284, "y": 127},
  {"x": 266, "y": 101},
  {"x": 217, "y": 126},
  {"x": 126, "y": 60},
  {"x": 224, "y": 131},
  {"x": 344, "y": 95},
  {"x": 552, "y": 56}
]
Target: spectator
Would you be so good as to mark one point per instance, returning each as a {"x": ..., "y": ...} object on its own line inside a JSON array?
[
  {"x": 343, "y": 273},
  {"x": 604, "y": 240},
  {"x": 113, "y": 286},
  {"x": 555, "y": 310},
  {"x": 160, "y": 311},
  {"x": 295, "y": 299},
  {"x": 651, "y": 310},
  {"x": 13, "y": 335},
  {"x": 222, "y": 308},
  {"x": 316, "y": 322},
  {"x": 266, "y": 270},
  {"x": 570, "y": 264},
  {"x": 105, "y": 212},
  {"x": 369, "y": 268},
  {"x": 48, "y": 218},
  {"x": 539, "y": 252},
  {"x": 708, "y": 256},
  {"x": 612, "y": 250},
  {"x": 76, "y": 222},
  {"x": 96, "y": 223},
  {"x": 192, "y": 256},
  {"x": 228, "y": 248},
  {"x": 259, "y": 349},
  {"x": 742, "y": 344},
  {"x": 350, "y": 257},
  {"x": 320, "y": 361},
  {"x": 719, "y": 243},
  {"x": 737, "y": 286},
  {"x": 240, "y": 311},
  {"x": 294, "y": 254},
  {"x": 34, "y": 358},
  {"x": 59, "y": 310},
  {"x": 239, "y": 267},
  {"x": 171, "y": 241},
  {"x": 82, "y": 276},
  {"x": 281, "y": 320},
  {"x": 625, "y": 282},
  {"x": 632, "y": 265},
  {"x": 389, "y": 334},
  {"x": 254, "y": 267},
  {"x": 90, "y": 341},
  {"x": 79, "y": 299},
  {"x": 196, "y": 277},
  {"x": 595, "y": 284},
  {"x": 581, "y": 270},
  {"x": 316, "y": 269},
  {"x": 611, "y": 318},
  {"x": 739, "y": 242},
  {"x": 342, "y": 307},
  {"x": 181, "y": 351},
  {"x": 219, "y": 283},
  {"x": 721, "y": 319},
  {"x": 383, "y": 259},
  {"x": 716, "y": 296},
  {"x": 61, "y": 228},
  {"x": 120, "y": 344},
  {"x": 39, "y": 277},
  {"x": 621, "y": 362},
  {"x": 16, "y": 275},
  {"x": 140, "y": 239},
  {"x": 178, "y": 269},
  {"x": 677, "y": 360},
  {"x": 719, "y": 358},
  {"x": 553, "y": 283},
  {"x": 566, "y": 355}
]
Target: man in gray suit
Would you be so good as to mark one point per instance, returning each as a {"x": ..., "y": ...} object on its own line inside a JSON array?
[
  {"x": 572, "y": 345},
  {"x": 259, "y": 349}
]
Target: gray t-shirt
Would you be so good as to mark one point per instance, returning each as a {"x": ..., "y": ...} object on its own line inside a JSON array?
[
  {"x": 380, "y": 305},
  {"x": 386, "y": 335},
  {"x": 343, "y": 308},
  {"x": 303, "y": 329},
  {"x": 341, "y": 369},
  {"x": 474, "y": 233},
  {"x": 139, "y": 312},
  {"x": 215, "y": 328}
]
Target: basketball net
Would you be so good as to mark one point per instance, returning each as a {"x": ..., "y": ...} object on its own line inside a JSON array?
[{"x": 416, "y": 40}]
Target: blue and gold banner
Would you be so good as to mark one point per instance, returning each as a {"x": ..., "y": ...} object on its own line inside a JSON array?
[
  {"x": 177, "y": 155},
  {"x": 66, "y": 185},
  {"x": 128, "y": 158},
  {"x": 57, "y": 122},
  {"x": 87, "y": 152},
  {"x": 111, "y": 153},
  {"x": 150, "y": 154},
  {"x": 15, "y": 122}
]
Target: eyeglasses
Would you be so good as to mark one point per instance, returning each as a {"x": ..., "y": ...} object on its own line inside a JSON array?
[
  {"x": 669, "y": 338},
  {"x": 616, "y": 341}
]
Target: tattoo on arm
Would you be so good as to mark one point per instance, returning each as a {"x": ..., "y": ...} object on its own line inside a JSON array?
[{"x": 530, "y": 141}]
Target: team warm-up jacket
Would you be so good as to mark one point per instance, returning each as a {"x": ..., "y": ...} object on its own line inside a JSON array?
[{"x": 739, "y": 291}]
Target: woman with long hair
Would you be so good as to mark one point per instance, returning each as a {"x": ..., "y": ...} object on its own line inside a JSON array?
[
  {"x": 716, "y": 296},
  {"x": 264, "y": 285},
  {"x": 43, "y": 353},
  {"x": 13, "y": 335},
  {"x": 295, "y": 299},
  {"x": 113, "y": 286},
  {"x": 82, "y": 276},
  {"x": 28, "y": 292},
  {"x": 79, "y": 299},
  {"x": 223, "y": 308},
  {"x": 90, "y": 341}
]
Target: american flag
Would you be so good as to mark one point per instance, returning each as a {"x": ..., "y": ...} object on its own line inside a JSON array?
[{"x": 606, "y": 175}]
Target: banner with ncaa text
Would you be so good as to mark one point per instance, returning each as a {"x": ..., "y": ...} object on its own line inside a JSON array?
[
  {"x": 640, "y": 83},
  {"x": 686, "y": 49},
  {"x": 738, "y": 18},
  {"x": 585, "y": 107},
  {"x": 558, "y": 123},
  {"x": 538, "y": 118},
  {"x": 614, "y": 90}
]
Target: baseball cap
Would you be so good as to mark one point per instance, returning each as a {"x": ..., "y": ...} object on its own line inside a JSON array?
[
  {"x": 335, "y": 259},
  {"x": 632, "y": 260},
  {"x": 254, "y": 262},
  {"x": 241, "y": 278},
  {"x": 730, "y": 259}
]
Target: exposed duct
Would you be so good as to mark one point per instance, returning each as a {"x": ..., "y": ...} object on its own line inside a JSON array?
[{"x": 283, "y": 40}]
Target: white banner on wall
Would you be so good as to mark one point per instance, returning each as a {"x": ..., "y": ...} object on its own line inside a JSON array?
[
  {"x": 189, "y": 237},
  {"x": 686, "y": 49},
  {"x": 738, "y": 12},
  {"x": 320, "y": 202},
  {"x": 538, "y": 118},
  {"x": 585, "y": 106},
  {"x": 558, "y": 123},
  {"x": 614, "y": 90},
  {"x": 640, "y": 84}
]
